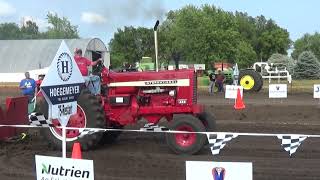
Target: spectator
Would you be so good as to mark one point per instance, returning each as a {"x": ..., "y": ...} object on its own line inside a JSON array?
[
  {"x": 220, "y": 78},
  {"x": 28, "y": 86},
  {"x": 92, "y": 82},
  {"x": 39, "y": 81},
  {"x": 211, "y": 83}
]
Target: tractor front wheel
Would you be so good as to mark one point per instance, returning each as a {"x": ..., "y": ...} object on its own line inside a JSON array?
[{"x": 186, "y": 143}]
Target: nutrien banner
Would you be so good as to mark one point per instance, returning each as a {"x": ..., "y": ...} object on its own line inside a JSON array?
[{"x": 49, "y": 168}]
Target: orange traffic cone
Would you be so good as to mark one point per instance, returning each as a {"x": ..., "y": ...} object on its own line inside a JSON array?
[
  {"x": 76, "y": 151},
  {"x": 239, "y": 104}
]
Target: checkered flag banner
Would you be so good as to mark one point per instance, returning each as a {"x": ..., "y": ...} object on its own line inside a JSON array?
[
  {"x": 290, "y": 143},
  {"x": 217, "y": 141},
  {"x": 83, "y": 132},
  {"x": 154, "y": 128},
  {"x": 38, "y": 119}
]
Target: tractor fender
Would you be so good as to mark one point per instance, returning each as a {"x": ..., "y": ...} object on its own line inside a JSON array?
[{"x": 197, "y": 109}]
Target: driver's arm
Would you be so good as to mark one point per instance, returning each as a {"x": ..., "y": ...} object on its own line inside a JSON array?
[{"x": 93, "y": 63}]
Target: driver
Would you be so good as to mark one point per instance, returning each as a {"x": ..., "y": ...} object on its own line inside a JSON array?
[{"x": 92, "y": 81}]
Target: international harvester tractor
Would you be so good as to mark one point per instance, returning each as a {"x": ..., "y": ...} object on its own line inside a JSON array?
[{"x": 127, "y": 97}]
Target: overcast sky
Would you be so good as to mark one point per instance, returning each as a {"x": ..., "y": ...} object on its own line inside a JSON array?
[{"x": 101, "y": 18}]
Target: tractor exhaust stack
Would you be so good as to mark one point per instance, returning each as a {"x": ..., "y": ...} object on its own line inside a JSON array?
[{"x": 156, "y": 43}]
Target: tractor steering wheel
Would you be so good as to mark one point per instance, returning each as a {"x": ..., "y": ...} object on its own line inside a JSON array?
[{"x": 97, "y": 69}]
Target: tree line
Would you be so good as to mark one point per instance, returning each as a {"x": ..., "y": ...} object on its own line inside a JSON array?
[
  {"x": 59, "y": 28},
  {"x": 209, "y": 34},
  {"x": 204, "y": 34},
  {"x": 304, "y": 62}
]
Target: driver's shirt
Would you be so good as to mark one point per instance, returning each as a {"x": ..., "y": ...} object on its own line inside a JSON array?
[{"x": 83, "y": 64}]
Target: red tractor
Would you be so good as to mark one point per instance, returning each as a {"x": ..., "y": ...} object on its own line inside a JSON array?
[{"x": 127, "y": 97}]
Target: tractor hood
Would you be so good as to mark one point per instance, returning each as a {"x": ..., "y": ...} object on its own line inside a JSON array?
[{"x": 152, "y": 78}]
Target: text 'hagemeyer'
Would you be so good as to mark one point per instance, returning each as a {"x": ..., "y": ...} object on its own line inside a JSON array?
[{"x": 64, "y": 91}]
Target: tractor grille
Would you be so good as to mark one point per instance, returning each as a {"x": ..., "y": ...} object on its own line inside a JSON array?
[{"x": 195, "y": 88}]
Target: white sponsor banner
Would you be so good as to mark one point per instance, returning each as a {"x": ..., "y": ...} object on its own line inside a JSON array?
[
  {"x": 316, "y": 91},
  {"x": 199, "y": 66},
  {"x": 183, "y": 66},
  {"x": 278, "y": 91},
  {"x": 61, "y": 88},
  {"x": 59, "y": 111},
  {"x": 170, "y": 67},
  {"x": 232, "y": 91},
  {"x": 206, "y": 170},
  {"x": 62, "y": 85},
  {"x": 48, "y": 168}
]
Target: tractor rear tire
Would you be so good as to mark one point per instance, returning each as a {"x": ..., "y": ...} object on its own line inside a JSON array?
[
  {"x": 250, "y": 80},
  {"x": 110, "y": 137},
  {"x": 261, "y": 80},
  {"x": 186, "y": 143},
  {"x": 89, "y": 106},
  {"x": 208, "y": 120}
]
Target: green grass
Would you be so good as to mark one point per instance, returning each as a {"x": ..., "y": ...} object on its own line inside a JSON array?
[
  {"x": 304, "y": 83},
  {"x": 9, "y": 84}
]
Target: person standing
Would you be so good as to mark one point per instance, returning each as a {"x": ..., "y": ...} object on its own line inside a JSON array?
[
  {"x": 211, "y": 83},
  {"x": 28, "y": 86},
  {"x": 39, "y": 81},
  {"x": 220, "y": 78},
  {"x": 92, "y": 82}
]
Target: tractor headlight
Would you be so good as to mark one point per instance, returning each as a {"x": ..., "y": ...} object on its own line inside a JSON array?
[{"x": 172, "y": 93}]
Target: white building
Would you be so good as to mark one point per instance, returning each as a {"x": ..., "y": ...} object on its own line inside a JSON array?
[{"x": 19, "y": 56}]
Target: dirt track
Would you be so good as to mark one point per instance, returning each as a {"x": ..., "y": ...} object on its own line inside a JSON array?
[{"x": 146, "y": 156}]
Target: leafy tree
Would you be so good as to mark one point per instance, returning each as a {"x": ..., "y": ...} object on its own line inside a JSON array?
[
  {"x": 30, "y": 30},
  {"x": 307, "y": 66},
  {"x": 210, "y": 34},
  {"x": 9, "y": 31},
  {"x": 273, "y": 41},
  {"x": 207, "y": 33},
  {"x": 265, "y": 36},
  {"x": 245, "y": 55},
  {"x": 201, "y": 35},
  {"x": 131, "y": 44},
  {"x": 61, "y": 28},
  {"x": 307, "y": 43}
]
